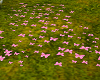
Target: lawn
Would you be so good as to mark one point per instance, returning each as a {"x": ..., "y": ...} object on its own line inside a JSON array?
[{"x": 50, "y": 40}]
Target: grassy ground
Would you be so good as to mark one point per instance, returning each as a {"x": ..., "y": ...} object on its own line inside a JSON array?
[{"x": 35, "y": 67}]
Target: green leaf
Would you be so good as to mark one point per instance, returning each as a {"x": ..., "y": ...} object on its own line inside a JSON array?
[{"x": 19, "y": 57}]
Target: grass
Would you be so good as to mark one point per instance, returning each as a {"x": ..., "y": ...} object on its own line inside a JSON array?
[{"x": 35, "y": 67}]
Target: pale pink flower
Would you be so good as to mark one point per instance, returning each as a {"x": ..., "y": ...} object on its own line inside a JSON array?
[
  {"x": 62, "y": 54},
  {"x": 1, "y": 58},
  {"x": 74, "y": 61},
  {"x": 60, "y": 64},
  {"x": 36, "y": 51},
  {"x": 26, "y": 56},
  {"x": 46, "y": 41},
  {"x": 16, "y": 53},
  {"x": 10, "y": 62},
  {"x": 46, "y": 55},
  {"x": 86, "y": 62},
  {"x": 20, "y": 61},
  {"x": 61, "y": 48}
]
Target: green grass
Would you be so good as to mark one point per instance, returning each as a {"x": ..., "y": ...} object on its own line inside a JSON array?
[{"x": 35, "y": 67}]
